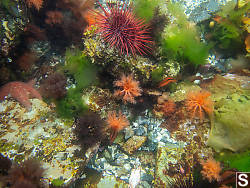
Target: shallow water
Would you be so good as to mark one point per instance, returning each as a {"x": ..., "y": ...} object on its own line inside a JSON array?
[{"x": 124, "y": 93}]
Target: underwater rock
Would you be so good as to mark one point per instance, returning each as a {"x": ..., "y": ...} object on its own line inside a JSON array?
[
  {"x": 13, "y": 20},
  {"x": 110, "y": 181},
  {"x": 182, "y": 90},
  {"x": 38, "y": 134},
  {"x": 231, "y": 128},
  {"x": 221, "y": 86},
  {"x": 165, "y": 156},
  {"x": 134, "y": 143},
  {"x": 99, "y": 100},
  {"x": 200, "y": 10}
]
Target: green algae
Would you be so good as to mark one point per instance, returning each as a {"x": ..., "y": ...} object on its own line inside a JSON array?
[
  {"x": 228, "y": 32},
  {"x": 57, "y": 182},
  {"x": 230, "y": 128},
  {"x": 145, "y": 8},
  {"x": 79, "y": 65},
  {"x": 72, "y": 105},
  {"x": 240, "y": 161},
  {"x": 7, "y": 146},
  {"x": 181, "y": 41},
  {"x": 84, "y": 74}
]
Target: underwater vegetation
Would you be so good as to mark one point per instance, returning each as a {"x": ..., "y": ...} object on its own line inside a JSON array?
[
  {"x": 90, "y": 129},
  {"x": 145, "y": 8},
  {"x": 28, "y": 174},
  {"x": 54, "y": 86},
  {"x": 231, "y": 160},
  {"x": 84, "y": 73},
  {"x": 54, "y": 17},
  {"x": 71, "y": 105},
  {"x": 230, "y": 129},
  {"x": 181, "y": 39},
  {"x": 157, "y": 25},
  {"x": 114, "y": 111},
  {"x": 79, "y": 65},
  {"x": 228, "y": 32},
  {"x": 129, "y": 88},
  {"x": 120, "y": 28},
  {"x": 167, "y": 107},
  {"x": 26, "y": 61}
]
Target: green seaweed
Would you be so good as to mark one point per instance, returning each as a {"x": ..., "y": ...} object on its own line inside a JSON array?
[
  {"x": 240, "y": 161},
  {"x": 7, "y": 4},
  {"x": 228, "y": 32},
  {"x": 72, "y": 105},
  {"x": 158, "y": 74},
  {"x": 57, "y": 182},
  {"x": 80, "y": 67},
  {"x": 230, "y": 128},
  {"x": 181, "y": 41},
  {"x": 84, "y": 73},
  {"x": 145, "y": 8}
]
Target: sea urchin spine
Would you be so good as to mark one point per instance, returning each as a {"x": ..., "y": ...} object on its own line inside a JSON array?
[{"x": 119, "y": 27}]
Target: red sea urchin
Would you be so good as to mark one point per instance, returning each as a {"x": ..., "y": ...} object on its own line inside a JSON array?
[{"x": 119, "y": 27}]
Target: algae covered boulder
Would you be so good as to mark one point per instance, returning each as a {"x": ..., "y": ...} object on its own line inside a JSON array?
[{"x": 231, "y": 126}]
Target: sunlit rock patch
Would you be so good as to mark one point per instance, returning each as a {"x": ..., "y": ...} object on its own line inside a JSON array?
[{"x": 38, "y": 134}]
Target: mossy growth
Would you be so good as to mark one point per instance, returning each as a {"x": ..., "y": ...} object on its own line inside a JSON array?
[
  {"x": 57, "y": 182},
  {"x": 230, "y": 127},
  {"x": 240, "y": 161},
  {"x": 80, "y": 67},
  {"x": 228, "y": 32},
  {"x": 181, "y": 39},
  {"x": 72, "y": 105},
  {"x": 158, "y": 74},
  {"x": 84, "y": 73},
  {"x": 145, "y": 8},
  {"x": 7, "y": 4}
]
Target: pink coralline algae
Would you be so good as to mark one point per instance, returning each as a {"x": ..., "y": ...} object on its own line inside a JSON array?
[{"x": 20, "y": 91}]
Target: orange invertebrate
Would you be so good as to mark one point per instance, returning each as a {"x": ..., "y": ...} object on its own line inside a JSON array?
[
  {"x": 129, "y": 88},
  {"x": 36, "y": 3},
  {"x": 211, "y": 170},
  {"x": 197, "y": 102},
  {"x": 116, "y": 123},
  {"x": 91, "y": 17},
  {"x": 166, "y": 81}
]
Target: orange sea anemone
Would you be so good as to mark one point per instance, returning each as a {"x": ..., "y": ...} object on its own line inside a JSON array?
[
  {"x": 211, "y": 170},
  {"x": 36, "y": 3},
  {"x": 129, "y": 88},
  {"x": 91, "y": 17},
  {"x": 198, "y": 102},
  {"x": 116, "y": 123}
]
